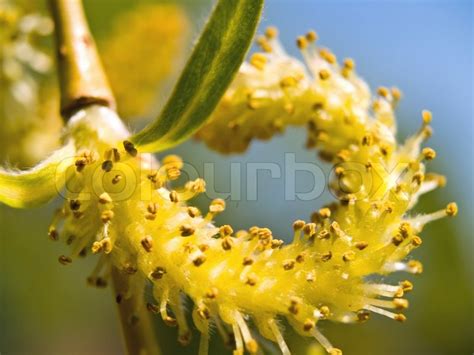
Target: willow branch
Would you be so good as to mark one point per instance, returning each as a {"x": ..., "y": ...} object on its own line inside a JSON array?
[
  {"x": 137, "y": 327},
  {"x": 81, "y": 76}
]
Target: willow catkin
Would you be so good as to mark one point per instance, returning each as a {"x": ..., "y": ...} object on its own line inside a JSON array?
[
  {"x": 29, "y": 119},
  {"x": 139, "y": 69},
  {"x": 122, "y": 206}
]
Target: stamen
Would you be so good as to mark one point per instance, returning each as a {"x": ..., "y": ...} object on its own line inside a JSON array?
[
  {"x": 239, "y": 343},
  {"x": 279, "y": 337},
  {"x": 250, "y": 343},
  {"x": 324, "y": 342},
  {"x": 383, "y": 312},
  {"x": 170, "y": 321}
]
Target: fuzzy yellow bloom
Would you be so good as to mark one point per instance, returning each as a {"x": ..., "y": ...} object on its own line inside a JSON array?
[
  {"x": 138, "y": 70},
  {"x": 125, "y": 207},
  {"x": 273, "y": 90},
  {"x": 121, "y": 205}
]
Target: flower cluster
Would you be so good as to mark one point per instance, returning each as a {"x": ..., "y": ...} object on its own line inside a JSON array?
[
  {"x": 26, "y": 106},
  {"x": 144, "y": 66},
  {"x": 123, "y": 206},
  {"x": 274, "y": 90}
]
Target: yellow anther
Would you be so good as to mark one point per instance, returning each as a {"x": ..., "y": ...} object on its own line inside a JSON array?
[
  {"x": 298, "y": 225},
  {"x": 147, "y": 243},
  {"x": 227, "y": 243},
  {"x": 96, "y": 247},
  {"x": 276, "y": 243},
  {"x": 173, "y": 160},
  {"x": 400, "y": 303},
  {"x": 427, "y": 116},
  {"x": 348, "y": 256},
  {"x": 368, "y": 140},
  {"x": 199, "y": 260},
  {"x": 452, "y": 209},
  {"x": 301, "y": 42},
  {"x": 309, "y": 229},
  {"x": 406, "y": 285},
  {"x": 396, "y": 93},
  {"x": 400, "y": 317},
  {"x": 327, "y": 55},
  {"x": 312, "y": 36},
  {"x": 225, "y": 230},
  {"x": 130, "y": 269},
  {"x": 271, "y": 32},
  {"x": 324, "y": 212},
  {"x": 383, "y": 91},
  {"x": 325, "y": 311},
  {"x": 326, "y": 256},
  {"x": 158, "y": 273},
  {"x": 251, "y": 279},
  {"x": 116, "y": 179},
  {"x": 361, "y": 245},
  {"x": 397, "y": 240},
  {"x": 288, "y": 264},
  {"x": 363, "y": 315},
  {"x": 416, "y": 241},
  {"x": 65, "y": 260},
  {"x": 106, "y": 245},
  {"x": 415, "y": 266},
  {"x": 193, "y": 212},
  {"x": 258, "y": 60},
  {"x": 53, "y": 234},
  {"x": 294, "y": 307},
  {"x": 217, "y": 206},
  {"x": 74, "y": 205},
  {"x": 288, "y": 82},
  {"x": 174, "y": 196},
  {"x": 324, "y": 74},
  {"x": 428, "y": 153},
  {"x": 247, "y": 261},
  {"x": 105, "y": 198},
  {"x": 418, "y": 178},
  {"x": 212, "y": 293},
  {"x": 349, "y": 63},
  {"x": 308, "y": 325},
  {"x": 130, "y": 148},
  {"x": 107, "y": 216},
  {"x": 300, "y": 257},
  {"x": 186, "y": 230},
  {"x": 405, "y": 229},
  {"x": 252, "y": 346}
]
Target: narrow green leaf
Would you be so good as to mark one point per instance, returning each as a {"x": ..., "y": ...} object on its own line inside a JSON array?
[
  {"x": 29, "y": 188},
  {"x": 211, "y": 68}
]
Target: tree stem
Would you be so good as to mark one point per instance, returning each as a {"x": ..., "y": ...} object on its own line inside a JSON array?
[
  {"x": 81, "y": 76},
  {"x": 137, "y": 327},
  {"x": 82, "y": 83}
]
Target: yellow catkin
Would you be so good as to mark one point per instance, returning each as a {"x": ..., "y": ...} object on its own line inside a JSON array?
[
  {"x": 322, "y": 275},
  {"x": 29, "y": 119},
  {"x": 138, "y": 69}
]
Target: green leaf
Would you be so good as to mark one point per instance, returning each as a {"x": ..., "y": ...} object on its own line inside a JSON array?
[
  {"x": 212, "y": 66},
  {"x": 29, "y": 188}
]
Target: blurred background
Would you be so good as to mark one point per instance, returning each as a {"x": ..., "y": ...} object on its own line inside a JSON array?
[{"x": 424, "y": 47}]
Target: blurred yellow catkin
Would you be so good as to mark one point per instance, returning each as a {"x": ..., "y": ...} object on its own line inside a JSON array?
[
  {"x": 29, "y": 122},
  {"x": 141, "y": 53}
]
